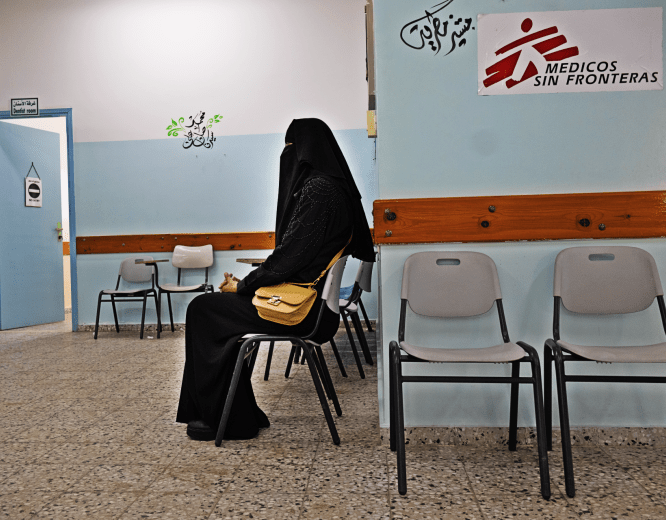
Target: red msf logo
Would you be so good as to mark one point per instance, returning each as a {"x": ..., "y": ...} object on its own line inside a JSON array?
[{"x": 506, "y": 67}]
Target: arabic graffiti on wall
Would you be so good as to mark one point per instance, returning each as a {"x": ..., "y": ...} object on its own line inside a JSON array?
[
  {"x": 196, "y": 132},
  {"x": 437, "y": 30},
  {"x": 570, "y": 51}
]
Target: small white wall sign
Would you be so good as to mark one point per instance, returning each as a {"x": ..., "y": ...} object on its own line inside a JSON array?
[
  {"x": 24, "y": 107},
  {"x": 33, "y": 192}
]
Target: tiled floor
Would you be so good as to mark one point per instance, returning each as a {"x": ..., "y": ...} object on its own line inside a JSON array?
[{"x": 87, "y": 431}]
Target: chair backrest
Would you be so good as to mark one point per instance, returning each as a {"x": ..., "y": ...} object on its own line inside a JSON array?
[
  {"x": 331, "y": 292},
  {"x": 606, "y": 279},
  {"x": 364, "y": 276},
  {"x": 449, "y": 284},
  {"x": 185, "y": 257},
  {"x": 132, "y": 272}
]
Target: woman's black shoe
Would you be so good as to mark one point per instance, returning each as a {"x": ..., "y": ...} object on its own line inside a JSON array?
[{"x": 200, "y": 431}]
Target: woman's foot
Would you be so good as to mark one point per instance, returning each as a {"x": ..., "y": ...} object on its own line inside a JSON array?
[{"x": 200, "y": 431}]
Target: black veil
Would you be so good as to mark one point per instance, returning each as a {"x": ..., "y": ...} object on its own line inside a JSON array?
[{"x": 315, "y": 152}]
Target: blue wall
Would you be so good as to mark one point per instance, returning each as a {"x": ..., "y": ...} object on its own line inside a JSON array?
[
  {"x": 157, "y": 186},
  {"x": 438, "y": 138}
]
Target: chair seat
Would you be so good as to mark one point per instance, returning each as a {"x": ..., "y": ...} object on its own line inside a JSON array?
[
  {"x": 172, "y": 287},
  {"x": 640, "y": 354},
  {"x": 128, "y": 292},
  {"x": 352, "y": 307},
  {"x": 503, "y": 353}
]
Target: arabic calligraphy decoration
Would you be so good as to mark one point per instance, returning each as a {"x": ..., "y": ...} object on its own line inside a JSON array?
[
  {"x": 196, "y": 132},
  {"x": 436, "y": 31}
]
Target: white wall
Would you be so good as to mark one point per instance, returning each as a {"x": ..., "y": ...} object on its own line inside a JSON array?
[{"x": 128, "y": 67}]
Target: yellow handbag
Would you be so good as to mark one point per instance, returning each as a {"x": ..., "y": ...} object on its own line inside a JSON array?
[{"x": 289, "y": 303}]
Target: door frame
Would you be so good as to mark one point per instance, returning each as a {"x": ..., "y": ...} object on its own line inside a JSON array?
[{"x": 67, "y": 114}]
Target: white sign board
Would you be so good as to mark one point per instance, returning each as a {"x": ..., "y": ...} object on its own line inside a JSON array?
[
  {"x": 33, "y": 192},
  {"x": 24, "y": 107},
  {"x": 570, "y": 51}
]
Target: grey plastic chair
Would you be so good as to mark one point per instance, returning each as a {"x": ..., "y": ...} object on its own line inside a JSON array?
[
  {"x": 310, "y": 344},
  {"x": 184, "y": 257},
  {"x": 349, "y": 309},
  {"x": 131, "y": 273},
  {"x": 598, "y": 280},
  {"x": 449, "y": 285}
]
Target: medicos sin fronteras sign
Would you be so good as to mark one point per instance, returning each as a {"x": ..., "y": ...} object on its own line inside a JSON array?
[{"x": 570, "y": 51}]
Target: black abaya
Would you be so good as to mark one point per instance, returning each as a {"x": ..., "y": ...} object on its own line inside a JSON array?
[{"x": 319, "y": 228}]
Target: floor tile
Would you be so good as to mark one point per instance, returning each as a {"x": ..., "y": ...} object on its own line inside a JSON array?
[
  {"x": 87, "y": 504},
  {"x": 526, "y": 506},
  {"x": 266, "y": 506},
  {"x": 196, "y": 505},
  {"x": 17, "y": 505},
  {"x": 321, "y": 506},
  {"x": 434, "y": 507}
]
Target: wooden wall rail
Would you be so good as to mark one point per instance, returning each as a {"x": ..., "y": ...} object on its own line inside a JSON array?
[
  {"x": 638, "y": 214},
  {"x": 166, "y": 243}
]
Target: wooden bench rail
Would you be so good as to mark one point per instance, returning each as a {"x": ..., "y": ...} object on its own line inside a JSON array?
[{"x": 637, "y": 214}]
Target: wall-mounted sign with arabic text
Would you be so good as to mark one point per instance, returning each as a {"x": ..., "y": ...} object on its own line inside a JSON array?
[
  {"x": 197, "y": 133},
  {"x": 24, "y": 107},
  {"x": 438, "y": 29},
  {"x": 570, "y": 51}
]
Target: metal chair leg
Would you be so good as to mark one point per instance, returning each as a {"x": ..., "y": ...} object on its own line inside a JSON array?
[
  {"x": 332, "y": 395},
  {"x": 353, "y": 345},
  {"x": 365, "y": 315},
  {"x": 253, "y": 357},
  {"x": 170, "y": 311},
  {"x": 268, "y": 361},
  {"x": 540, "y": 419},
  {"x": 341, "y": 366},
  {"x": 291, "y": 360},
  {"x": 143, "y": 314},
  {"x": 115, "y": 314},
  {"x": 513, "y": 409},
  {"x": 158, "y": 302},
  {"x": 361, "y": 338},
  {"x": 392, "y": 397},
  {"x": 99, "y": 305},
  {"x": 232, "y": 391},
  {"x": 548, "y": 394},
  {"x": 400, "y": 422},
  {"x": 320, "y": 393},
  {"x": 565, "y": 431}
]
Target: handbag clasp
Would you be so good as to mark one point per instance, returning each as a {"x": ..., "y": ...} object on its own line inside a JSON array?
[{"x": 275, "y": 300}]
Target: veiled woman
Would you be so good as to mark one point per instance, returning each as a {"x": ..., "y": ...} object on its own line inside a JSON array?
[{"x": 318, "y": 210}]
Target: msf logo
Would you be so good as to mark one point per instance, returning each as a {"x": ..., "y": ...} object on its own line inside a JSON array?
[{"x": 508, "y": 68}]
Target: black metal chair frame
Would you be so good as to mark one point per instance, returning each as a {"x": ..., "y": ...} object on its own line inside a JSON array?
[
  {"x": 355, "y": 298},
  {"x": 140, "y": 295},
  {"x": 397, "y": 379},
  {"x": 554, "y": 353},
  {"x": 316, "y": 363}
]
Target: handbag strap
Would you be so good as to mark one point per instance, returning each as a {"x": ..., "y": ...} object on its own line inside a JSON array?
[{"x": 330, "y": 264}]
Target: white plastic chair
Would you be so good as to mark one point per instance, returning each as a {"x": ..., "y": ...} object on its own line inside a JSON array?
[
  {"x": 448, "y": 285},
  {"x": 310, "y": 344},
  {"x": 131, "y": 273},
  {"x": 184, "y": 257},
  {"x": 598, "y": 280}
]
